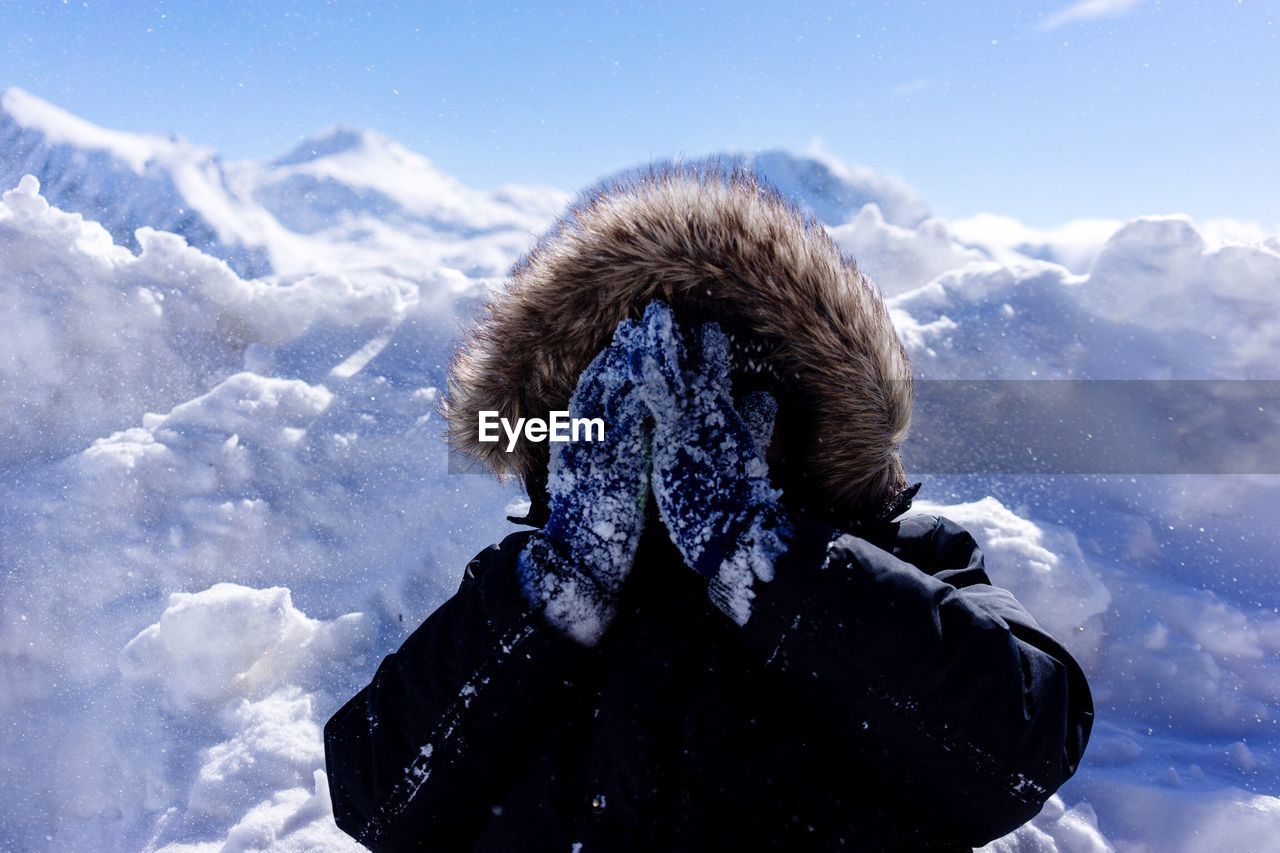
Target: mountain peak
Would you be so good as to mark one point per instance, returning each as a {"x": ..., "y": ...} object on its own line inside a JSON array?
[
  {"x": 831, "y": 190},
  {"x": 340, "y": 139},
  {"x": 835, "y": 191},
  {"x": 60, "y": 127}
]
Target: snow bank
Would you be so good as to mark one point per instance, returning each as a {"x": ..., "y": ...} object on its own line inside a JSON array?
[
  {"x": 900, "y": 259},
  {"x": 100, "y": 335},
  {"x": 270, "y": 466},
  {"x": 1157, "y": 302},
  {"x": 1057, "y": 829},
  {"x": 1145, "y": 817},
  {"x": 1160, "y": 584},
  {"x": 267, "y": 642},
  {"x": 1073, "y": 244},
  {"x": 1214, "y": 663},
  {"x": 252, "y": 665},
  {"x": 1160, "y": 274}
]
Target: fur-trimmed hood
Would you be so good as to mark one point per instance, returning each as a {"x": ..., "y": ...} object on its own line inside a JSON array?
[{"x": 716, "y": 241}]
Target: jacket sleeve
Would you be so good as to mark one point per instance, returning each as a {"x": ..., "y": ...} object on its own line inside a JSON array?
[
  {"x": 418, "y": 757},
  {"x": 921, "y": 668}
]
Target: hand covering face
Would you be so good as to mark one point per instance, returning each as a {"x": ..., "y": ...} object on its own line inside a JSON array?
[
  {"x": 573, "y": 569},
  {"x": 710, "y": 477}
]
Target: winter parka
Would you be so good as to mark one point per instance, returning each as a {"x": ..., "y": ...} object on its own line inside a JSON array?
[{"x": 884, "y": 695}]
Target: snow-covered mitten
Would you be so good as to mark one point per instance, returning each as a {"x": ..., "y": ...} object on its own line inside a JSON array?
[
  {"x": 573, "y": 568},
  {"x": 760, "y": 410},
  {"x": 710, "y": 478}
]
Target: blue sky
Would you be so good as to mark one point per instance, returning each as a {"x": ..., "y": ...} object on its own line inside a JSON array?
[{"x": 1040, "y": 110}]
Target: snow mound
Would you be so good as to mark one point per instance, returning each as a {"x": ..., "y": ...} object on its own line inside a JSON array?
[
  {"x": 255, "y": 778},
  {"x": 1190, "y": 821},
  {"x": 1160, "y": 273},
  {"x": 191, "y": 454},
  {"x": 900, "y": 259},
  {"x": 1073, "y": 244},
  {"x": 1159, "y": 301},
  {"x": 1056, "y": 829},
  {"x": 270, "y": 643},
  {"x": 101, "y": 335}
]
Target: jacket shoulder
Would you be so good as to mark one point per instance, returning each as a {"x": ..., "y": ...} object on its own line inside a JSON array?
[
  {"x": 933, "y": 544},
  {"x": 942, "y": 549},
  {"x": 502, "y": 553}
]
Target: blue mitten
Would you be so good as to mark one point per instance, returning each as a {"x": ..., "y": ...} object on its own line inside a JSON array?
[
  {"x": 709, "y": 476},
  {"x": 573, "y": 568}
]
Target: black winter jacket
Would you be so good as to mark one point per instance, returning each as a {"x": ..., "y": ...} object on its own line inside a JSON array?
[{"x": 884, "y": 695}]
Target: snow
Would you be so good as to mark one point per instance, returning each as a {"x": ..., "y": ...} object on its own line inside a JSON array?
[
  {"x": 1057, "y": 828},
  {"x": 834, "y": 191},
  {"x": 106, "y": 335},
  {"x": 63, "y": 128},
  {"x": 347, "y": 199},
  {"x": 126, "y": 181},
  {"x": 1072, "y": 244},
  {"x": 899, "y": 259},
  {"x": 387, "y": 180},
  {"x": 225, "y": 494},
  {"x": 1158, "y": 301}
]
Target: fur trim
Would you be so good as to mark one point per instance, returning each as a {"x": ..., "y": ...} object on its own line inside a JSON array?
[{"x": 715, "y": 240}]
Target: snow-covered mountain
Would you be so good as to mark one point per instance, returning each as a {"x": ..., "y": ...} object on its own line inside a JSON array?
[
  {"x": 343, "y": 187},
  {"x": 344, "y": 176},
  {"x": 835, "y": 192},
  {"x": 224, "y": 495},
  {"x": 350, "y": 198},
  {"x": 126, "y": 180}
]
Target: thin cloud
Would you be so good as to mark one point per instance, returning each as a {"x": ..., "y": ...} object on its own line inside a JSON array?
[{"x": 1087, "y": 10}]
